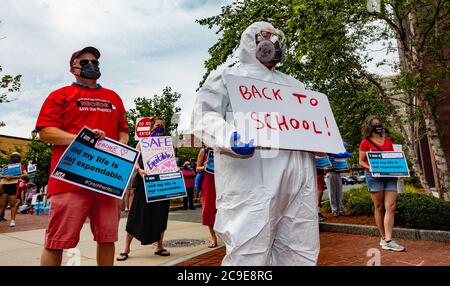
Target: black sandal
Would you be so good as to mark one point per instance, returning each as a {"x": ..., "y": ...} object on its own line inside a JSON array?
[
  {"x": 212, "y": 245},
  {"x": 124, "y": 255},
  {"x": 162, "y": 252}
]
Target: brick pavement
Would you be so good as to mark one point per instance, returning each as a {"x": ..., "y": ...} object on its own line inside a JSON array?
[{"x": 341, "y": 249}]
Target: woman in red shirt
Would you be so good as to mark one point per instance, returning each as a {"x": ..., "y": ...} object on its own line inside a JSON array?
[{"x": 383, "y": 190}]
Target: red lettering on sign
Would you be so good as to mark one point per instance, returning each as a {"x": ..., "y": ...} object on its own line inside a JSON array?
[
  {"x": 294, "y": 123},
  {"x": 267, "y": 123},
  {"x": 276, "y": 94},
  {"x": 305, "y": 125},
  {"x": 255, "y": 92},
  {"x": 264, "y": 93},
  {"x": 254, "y": 116},
  {"x": 244, "y": 92},
  {"x": 315, "y": 129},
  {"x": 299, "y": 97},
  {"x": 282, "y": 122},
  {"x": 313, "y": 102}
]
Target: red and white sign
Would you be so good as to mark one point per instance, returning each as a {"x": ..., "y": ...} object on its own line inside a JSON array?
[
  {"x": 143, "y": 126},
  {"x": 283, "y": 117}
]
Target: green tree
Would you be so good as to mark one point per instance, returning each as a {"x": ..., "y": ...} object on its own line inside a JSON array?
[
  {"x": 40, "y": 154},
  {"x": 328, "y": 49},
  {"x": 8, "y": 85},
  {"x": 162, "y": 106}
]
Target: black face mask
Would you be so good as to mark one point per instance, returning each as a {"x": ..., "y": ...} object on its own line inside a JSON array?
[
  {"x": 378, "y": 129},
  {"x": 90, "y": 71},
  {"x": 14, "y": 160}
]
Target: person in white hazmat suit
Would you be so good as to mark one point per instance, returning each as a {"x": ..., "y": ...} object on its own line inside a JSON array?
[{"x": 266, "y": 206}]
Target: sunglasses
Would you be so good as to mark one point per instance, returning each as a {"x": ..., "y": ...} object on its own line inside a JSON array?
[{"x": 85, "y": 62}]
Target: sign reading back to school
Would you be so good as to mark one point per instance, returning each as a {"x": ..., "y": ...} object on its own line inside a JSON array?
[
  {"x": 388, "y": 164},
  {"x": 103, "y": 166},
  {"x": 282, "y": 116}
]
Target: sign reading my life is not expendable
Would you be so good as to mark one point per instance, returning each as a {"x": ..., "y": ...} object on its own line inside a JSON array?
[
  {"x": 283, "y": 117},
  {"x": 103, "y": 166},
  {"x": 388, "y": 164},
  {"x": 160, "y": 187},
  {"x": 12, "y": 170},
  {"x": 209, "y": 167}
]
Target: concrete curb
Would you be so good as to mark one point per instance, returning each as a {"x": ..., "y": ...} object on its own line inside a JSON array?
[{"x": 405, "y": 233}]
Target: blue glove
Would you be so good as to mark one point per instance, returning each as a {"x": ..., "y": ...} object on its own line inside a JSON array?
[
  {"x": 245, "y": 150},
  {"x": 344, "y": 155}
]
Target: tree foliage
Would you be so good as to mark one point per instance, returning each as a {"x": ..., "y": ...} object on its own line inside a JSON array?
[
  {"x": 328, "y": 49},
  {"x": 162, "y": 106},
  {"x": 40, "y": 154}
]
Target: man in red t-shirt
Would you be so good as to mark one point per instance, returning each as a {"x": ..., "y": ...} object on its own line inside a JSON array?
[{"x": 64, "y": 113}]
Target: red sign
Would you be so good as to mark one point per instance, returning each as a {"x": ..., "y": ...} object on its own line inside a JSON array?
[{"x": 143, "y": 126}]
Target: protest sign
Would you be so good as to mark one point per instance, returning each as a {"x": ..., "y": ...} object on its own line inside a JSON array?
[
  {"x": 12, "y": 170},
  {"x": 388, "y": 164},
  {"x": 159, "y": 187},
  {"x": 163, "y": 180},
  {"x": 283, "y": 117},
  {"x": 103, "y": 166},
  {"x": 209, "y": 167},
  {"x": 158, "y": 155},
  {"x": 322, "y": 162},
  {"x": 339, "y": 164}
]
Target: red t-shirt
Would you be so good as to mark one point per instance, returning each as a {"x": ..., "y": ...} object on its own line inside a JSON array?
[
  {"x": 73, "y": 107},
  {"x": 366, "y": 146},
  {"x": 189, "y": 177}
]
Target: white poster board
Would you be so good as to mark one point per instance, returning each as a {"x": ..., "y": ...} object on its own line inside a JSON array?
[{"x": 283, "y": 117}]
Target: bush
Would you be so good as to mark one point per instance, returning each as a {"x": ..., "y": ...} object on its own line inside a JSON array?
[
  {"x": 421, "y": 211},
  {"x": 358, "y": 202},
  {"x": 413, "y": 181},
  {"x": 411, "y": 189}
]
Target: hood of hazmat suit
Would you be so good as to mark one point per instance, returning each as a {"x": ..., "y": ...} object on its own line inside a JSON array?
[{"x": 266, "y": 204}]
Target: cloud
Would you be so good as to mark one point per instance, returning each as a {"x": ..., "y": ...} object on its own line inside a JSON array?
[{"x": 145, "y": 46}]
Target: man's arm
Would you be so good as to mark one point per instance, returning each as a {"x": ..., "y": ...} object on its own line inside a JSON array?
[
  {"x": 123, "y": 138},
  {"x": 56, "y": 136}
]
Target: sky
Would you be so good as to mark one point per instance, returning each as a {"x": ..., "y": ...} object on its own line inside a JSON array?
[{"x": 145, "y": 46}]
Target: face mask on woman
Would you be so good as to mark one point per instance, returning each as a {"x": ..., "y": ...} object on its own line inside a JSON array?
[
  {"x": 378, "y": 128},
  {"x": 14, "y": 160}
]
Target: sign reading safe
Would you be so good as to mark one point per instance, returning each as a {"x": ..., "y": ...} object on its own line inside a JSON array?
[
  {"x": 103, "y": 166},
  {"x": 159, "y": 187}
]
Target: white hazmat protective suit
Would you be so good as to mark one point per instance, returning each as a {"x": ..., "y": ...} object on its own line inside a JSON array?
[{"x": 266, "y": 207}]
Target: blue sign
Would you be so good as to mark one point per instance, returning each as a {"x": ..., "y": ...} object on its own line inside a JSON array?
[
  {"x": 166, "y": 186},
  {"x": 209, "y": 167},
  {"x": 103, "y": 166},
  {"x": 339, "y": 164},
  {"x": 322, "y": 162},
  {"x": 388, "y": 164},
  {"x": 12, "y": 170}
]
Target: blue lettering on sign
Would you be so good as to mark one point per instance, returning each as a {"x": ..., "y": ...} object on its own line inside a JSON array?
[{"x": 153, "y": 163}]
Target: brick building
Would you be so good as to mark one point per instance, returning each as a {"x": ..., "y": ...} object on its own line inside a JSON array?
[{"x": 10, "y": 144}]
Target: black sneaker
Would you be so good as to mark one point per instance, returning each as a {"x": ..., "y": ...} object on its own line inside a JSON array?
[{"x": 2, "y": 219}]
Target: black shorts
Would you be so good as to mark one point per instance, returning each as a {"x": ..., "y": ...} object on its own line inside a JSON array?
[{"x": 10, "y": 189}]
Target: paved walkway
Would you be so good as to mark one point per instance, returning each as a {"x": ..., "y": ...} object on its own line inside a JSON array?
[
  {"x": 24, "y": 247},
  {"x": 339, "y": 249}
]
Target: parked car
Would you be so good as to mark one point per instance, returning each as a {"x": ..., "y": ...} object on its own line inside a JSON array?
[
  {"x": 361, "y": 179},
  {"x": 348, "y": 180}
]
